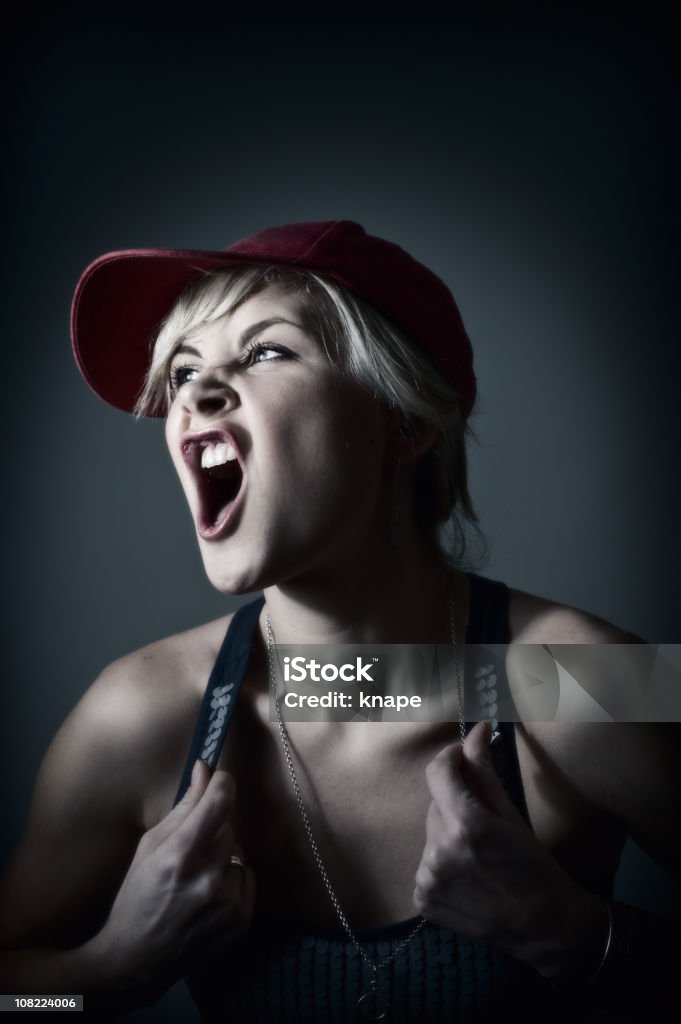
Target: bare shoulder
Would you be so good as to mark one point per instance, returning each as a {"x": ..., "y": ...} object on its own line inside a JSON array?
[
  {"x": 109, "y": 774},
  {"x": 624, "y": 771},
  {"x": 141, "y": 710},
  {"x": 582, "y": 661},
  {"x": 172, "y": 666},
  {"x": 537, "y": 620}
]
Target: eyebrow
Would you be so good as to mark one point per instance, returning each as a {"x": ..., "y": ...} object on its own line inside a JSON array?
[{"x": 246, "y": 335}]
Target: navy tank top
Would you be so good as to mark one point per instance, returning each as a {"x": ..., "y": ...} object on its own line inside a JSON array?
[{"x": 284, "y": 972}]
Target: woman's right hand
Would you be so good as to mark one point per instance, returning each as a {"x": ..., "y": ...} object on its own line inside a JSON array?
[{"x": 181, "y": 898}]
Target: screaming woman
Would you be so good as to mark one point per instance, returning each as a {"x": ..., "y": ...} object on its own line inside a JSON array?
[{"x": 316, "y": 384}]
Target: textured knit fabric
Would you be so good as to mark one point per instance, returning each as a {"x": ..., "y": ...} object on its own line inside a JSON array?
[{"x": 284, "y": 972}]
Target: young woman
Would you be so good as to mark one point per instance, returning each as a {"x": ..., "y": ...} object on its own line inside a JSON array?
[{"x": 316, "y": 384}]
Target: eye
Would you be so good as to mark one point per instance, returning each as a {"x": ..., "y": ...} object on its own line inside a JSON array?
[
  {"x": 180, "y": 375},
  {"x": 265, "y": 352}
]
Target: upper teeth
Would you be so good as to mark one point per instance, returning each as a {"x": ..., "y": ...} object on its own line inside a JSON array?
[{"x": 217, "y": 454}]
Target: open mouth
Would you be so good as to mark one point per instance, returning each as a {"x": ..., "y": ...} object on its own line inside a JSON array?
[{"x": 216, "y": 466}]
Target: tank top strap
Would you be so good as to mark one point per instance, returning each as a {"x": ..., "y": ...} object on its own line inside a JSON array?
[
  {"x": 219, "y": 699},
  {"x": 488, "y": 686},
  {"x": 487, "y": 624},
  {"x": 488, "y": 611}
]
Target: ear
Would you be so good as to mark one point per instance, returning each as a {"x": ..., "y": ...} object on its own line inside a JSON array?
[{"x": 412, "y": 437}]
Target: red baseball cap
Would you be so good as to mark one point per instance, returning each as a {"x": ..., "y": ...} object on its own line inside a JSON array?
[{"x": 121, "y": 299}]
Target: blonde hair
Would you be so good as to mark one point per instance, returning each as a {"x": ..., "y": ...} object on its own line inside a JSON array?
[{"x": 368, "y": 349}]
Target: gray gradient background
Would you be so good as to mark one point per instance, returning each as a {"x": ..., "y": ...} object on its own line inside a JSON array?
[{"x": 528, "y": 159}]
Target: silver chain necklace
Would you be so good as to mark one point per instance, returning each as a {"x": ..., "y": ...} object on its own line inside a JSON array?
[{"x": 368, "y": 1003}]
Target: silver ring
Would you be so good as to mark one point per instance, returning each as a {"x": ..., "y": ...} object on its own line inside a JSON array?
[{"x": 236, "y": 862}]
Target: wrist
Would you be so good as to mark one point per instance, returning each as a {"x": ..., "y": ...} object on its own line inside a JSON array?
[
  {"x": 578, "y": 945},
  {"x": 98, "y": 972}
]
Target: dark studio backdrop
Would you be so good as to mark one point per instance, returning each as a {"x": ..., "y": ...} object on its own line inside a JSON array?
[{"x": 527, "y": 154}]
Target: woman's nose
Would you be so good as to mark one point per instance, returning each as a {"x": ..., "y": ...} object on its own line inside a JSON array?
[{"x": 209, "y": 394}]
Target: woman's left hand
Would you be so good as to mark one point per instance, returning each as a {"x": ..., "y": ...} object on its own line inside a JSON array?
[{"x": 483, "y": 872}]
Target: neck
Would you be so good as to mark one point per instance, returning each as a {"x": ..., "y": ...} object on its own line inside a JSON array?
[{"x": 398, "y": 595}]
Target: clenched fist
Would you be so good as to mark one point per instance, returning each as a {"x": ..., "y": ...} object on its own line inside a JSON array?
[
  {"x": 182, "y": 897},
  {"x": 484, "y": 873}
]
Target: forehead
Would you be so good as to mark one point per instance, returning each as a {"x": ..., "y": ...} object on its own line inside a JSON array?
[{"x": 273, "y": 303}]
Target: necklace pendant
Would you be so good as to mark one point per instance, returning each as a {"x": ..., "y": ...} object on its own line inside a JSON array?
[{"x": 372, "y": 1007}]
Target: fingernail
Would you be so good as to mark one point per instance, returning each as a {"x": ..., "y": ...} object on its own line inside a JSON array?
[{"x": 195, "y": 772}]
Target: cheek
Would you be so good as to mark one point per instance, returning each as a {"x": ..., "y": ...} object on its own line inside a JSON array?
[
  {"x": 170, "y": 430},
  {"x": 171, "y": 441},
  {"x": 356, "y": 433},
  {"x": 172, "y": 436},
  {"x": 335, "y": 443}
]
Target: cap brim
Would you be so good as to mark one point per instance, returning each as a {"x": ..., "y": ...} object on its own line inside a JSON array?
[
  {"x": 118, "y": 306},
  {"x": 122, "y": 298}
]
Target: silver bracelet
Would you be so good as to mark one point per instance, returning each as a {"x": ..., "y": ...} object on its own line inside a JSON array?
[
  {"x": 638, "y": 969},
  {"x": 606, "y": 951},
  {"x": 567, "y": 992}
]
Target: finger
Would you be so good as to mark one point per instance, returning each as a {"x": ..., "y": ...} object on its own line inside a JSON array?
[
  {"x": 434, "y": 823},
  {"x": 233, "y": 913},
  {"x": 247, "y": 898},
  {"x": 480, "y": 774},
  {"x": 213, "y": 810},
  {"x": 448, "y": 786},
  {"x": 445, "y": 853},
  {"x": 235, "y": 858},
  {"x": 239, "y": 885},
  {"x": 235, "y": 869},
  {"x": 223, "y": 844},
  {"x": 200, "y": 778}
]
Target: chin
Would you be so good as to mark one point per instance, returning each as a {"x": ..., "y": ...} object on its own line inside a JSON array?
[
  {"x": 228, "y": 580},
  {"x": 233, "y": 574}
]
